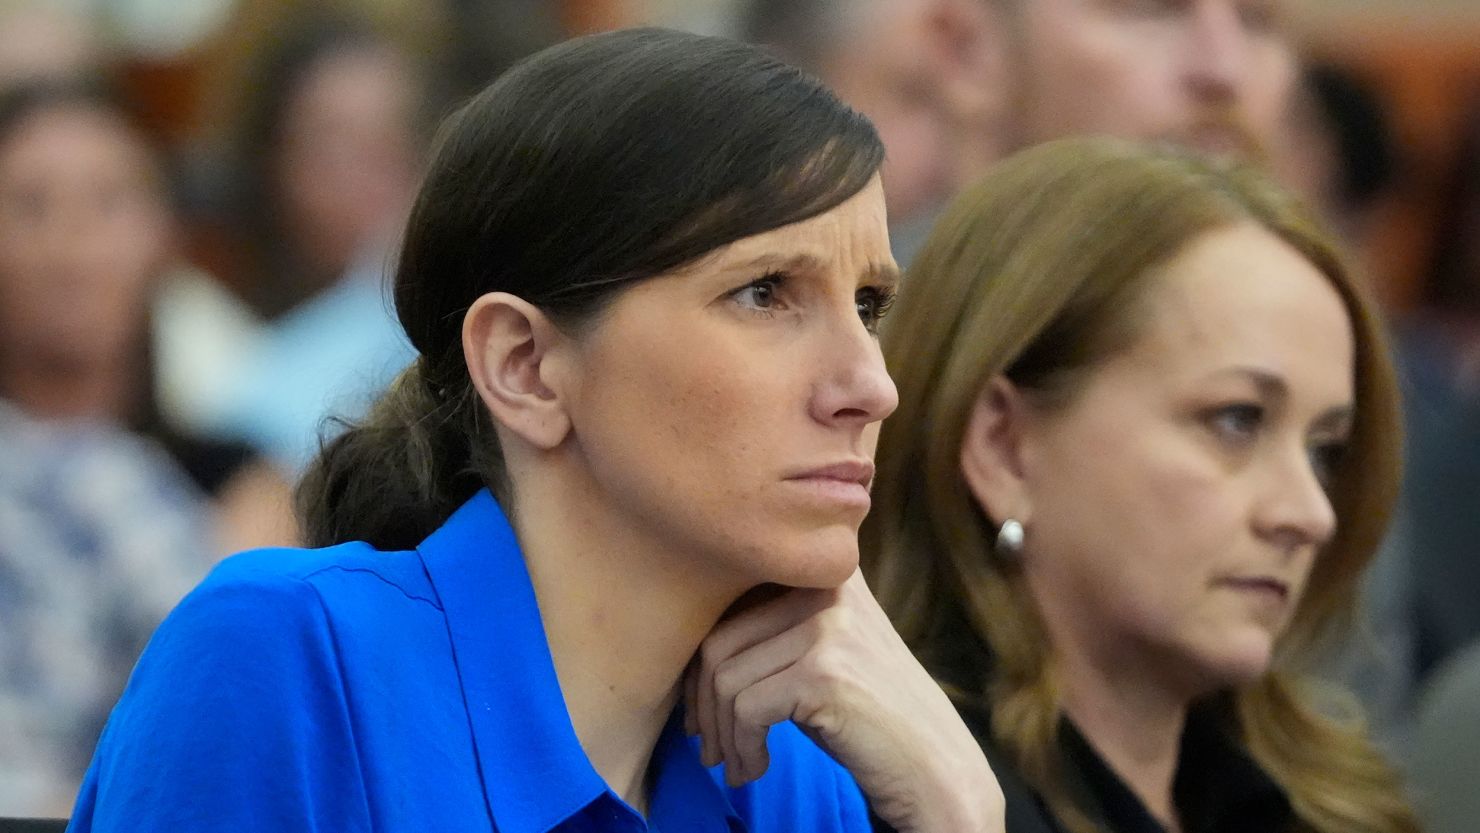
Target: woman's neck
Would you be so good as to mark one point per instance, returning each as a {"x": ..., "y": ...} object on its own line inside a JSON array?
[
  {"x": 623, "y": 618},
  {"x": 1134, "y": 724},
  {"x": 69, "y": 390}
]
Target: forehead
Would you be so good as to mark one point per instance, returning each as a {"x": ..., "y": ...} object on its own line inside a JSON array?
[
  {"x": 1240, "y": 296},
  {"x": 75, "y": 133},
  {"x": 853, "y": 233}
]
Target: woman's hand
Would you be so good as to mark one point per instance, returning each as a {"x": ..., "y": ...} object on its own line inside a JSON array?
[{"x": 831, "y": 662}]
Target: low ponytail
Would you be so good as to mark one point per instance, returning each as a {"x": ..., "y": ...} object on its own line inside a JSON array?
[{"x": 396, "y": 475}]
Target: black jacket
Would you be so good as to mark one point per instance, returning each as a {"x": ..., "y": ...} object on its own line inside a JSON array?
[{"x": 1218, "y": 787}]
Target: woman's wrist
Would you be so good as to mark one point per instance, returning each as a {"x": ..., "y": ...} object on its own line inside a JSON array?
[
  {"x": 962, "y": 794},
  {"x": 951, "y": 787}
]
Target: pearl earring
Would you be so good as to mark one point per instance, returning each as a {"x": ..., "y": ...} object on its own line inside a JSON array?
[{"x": 1010, "y": 540}]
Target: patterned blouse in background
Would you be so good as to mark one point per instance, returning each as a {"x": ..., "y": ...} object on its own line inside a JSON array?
[{"x": 100, "y": 536}]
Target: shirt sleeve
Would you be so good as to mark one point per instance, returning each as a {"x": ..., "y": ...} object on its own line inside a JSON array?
[{"x": 234, "y": 719}]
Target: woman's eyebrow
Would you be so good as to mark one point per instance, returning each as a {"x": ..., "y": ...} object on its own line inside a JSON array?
[
  {"x": 886, "y": 273},
  {"x": 772, "y": 261},
  {"x": 1273, "y": 387},
  {"x": 1270, "y": 384}
]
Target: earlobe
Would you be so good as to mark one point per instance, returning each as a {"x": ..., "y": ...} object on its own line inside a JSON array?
[
  {"x": 509, "y": 347},
  {"x": 991, "y": 452}
]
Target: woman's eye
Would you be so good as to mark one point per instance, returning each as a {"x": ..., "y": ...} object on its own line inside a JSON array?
[
  {"x": 760, "y": 295},
  {"x": 873, "y": 304},
  {"x": 1324, "y": 459},
  {"x": 1237, "y": 423}
]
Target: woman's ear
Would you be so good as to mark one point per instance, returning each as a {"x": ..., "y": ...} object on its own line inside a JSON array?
[
  {"x": 508, "y": 344},
  {"x": 992, "y": 452}
]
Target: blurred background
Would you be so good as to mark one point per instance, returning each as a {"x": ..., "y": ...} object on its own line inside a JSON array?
[{"x": 199, "y": 206}]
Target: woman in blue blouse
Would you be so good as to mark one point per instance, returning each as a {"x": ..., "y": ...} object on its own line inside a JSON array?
[{"x": 626, "y": 470}]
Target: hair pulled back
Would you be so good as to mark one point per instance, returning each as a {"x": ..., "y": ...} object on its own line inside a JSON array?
[{"x": 596, "y": 163}]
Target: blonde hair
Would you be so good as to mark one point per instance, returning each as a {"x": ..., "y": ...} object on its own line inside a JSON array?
[{"x": 1035, "y": 273}]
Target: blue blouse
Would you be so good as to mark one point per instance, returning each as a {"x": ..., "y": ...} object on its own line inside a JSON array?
[{"x": 349, "y": 689}]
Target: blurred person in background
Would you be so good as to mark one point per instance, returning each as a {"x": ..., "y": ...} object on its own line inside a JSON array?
[
  {"x": 1214, "y": 75},
  {"x": 1444, "y": 767},
  {"x": 1435, "y": 562},
  {"x": 107, "y": 515},
  {"x": 39, "y": 40},
  {"x": 1147, "y": 443},
  {"x": 328, "y": 157},
  {"x": 1441, "y": 355},
  {"x": 100, "y": 535},
  {"x": 1448, "y": 356},
  {"x": 913, "y": 67},
  {"x": 1337, "y": 149},
  {"x": 101, "y": 530},
  {"x": 87, "y": 231},
  {"x": 328, "y": 152}
]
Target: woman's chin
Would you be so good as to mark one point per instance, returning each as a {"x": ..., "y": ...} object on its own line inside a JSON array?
[
  {"x": 823, "y": 559},
  {"x": 1243, "y": 659}
]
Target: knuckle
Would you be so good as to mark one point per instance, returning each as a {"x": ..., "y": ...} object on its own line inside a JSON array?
[
  {"x": 727, "y": 682},
  {"x": 817, "y": 713},
  {"x": 825, "y": 666}
]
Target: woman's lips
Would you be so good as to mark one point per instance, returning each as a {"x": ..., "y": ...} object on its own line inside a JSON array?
[
  {"x": 1272, "y": 588},
  {"x": 844, "y": 482}
]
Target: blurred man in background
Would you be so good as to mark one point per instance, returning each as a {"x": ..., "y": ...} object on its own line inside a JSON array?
[
  {"x": 1212, "y": 74},
  {"x": 953, "y": 86},
  {"x": 914, "y": 68}
]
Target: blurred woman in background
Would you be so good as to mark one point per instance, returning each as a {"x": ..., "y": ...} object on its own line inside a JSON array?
[
  {"x": 312, "y": 194},
  {"x": 1147, "y": 442},
  {"x": 108, "y": 514},
  {"x": 87, "y": 232}
]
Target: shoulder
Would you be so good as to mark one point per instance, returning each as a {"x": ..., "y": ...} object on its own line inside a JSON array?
[
  {"x": 282, "y": 614},
  {"x": 333, "y": 575},
  {"x": 258, "y": 606},
  {"x": 252, "y": 659},
  {"x": 803, "y": 789}
]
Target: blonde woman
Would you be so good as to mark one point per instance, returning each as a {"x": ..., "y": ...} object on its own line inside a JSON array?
[{"x": 1146, "y": 443}]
